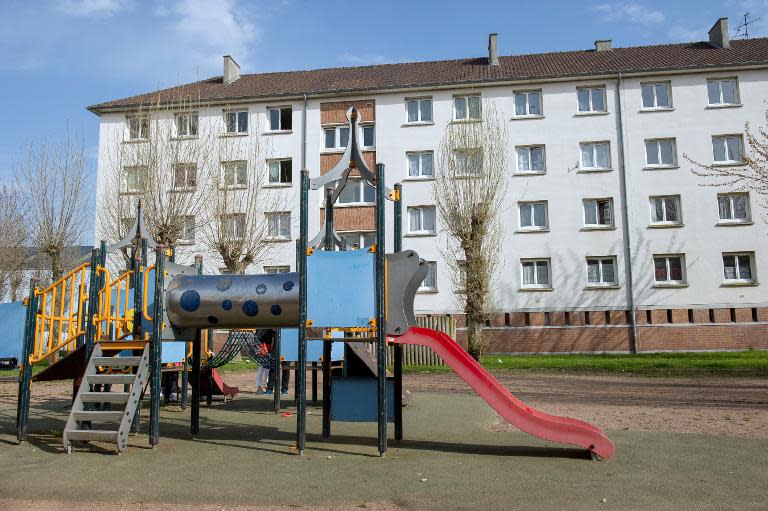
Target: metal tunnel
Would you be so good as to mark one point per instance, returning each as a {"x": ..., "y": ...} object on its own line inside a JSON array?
[{"x": 233, "y": 301}]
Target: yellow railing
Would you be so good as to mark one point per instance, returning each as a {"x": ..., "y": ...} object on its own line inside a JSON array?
[
  {"x": 60, "y": 318},
  {"x": 145, "y": 297},
  {"x": 114, "y": 321}
]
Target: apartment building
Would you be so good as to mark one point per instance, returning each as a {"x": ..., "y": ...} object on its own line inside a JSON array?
[{"x": 610, "y": 241}]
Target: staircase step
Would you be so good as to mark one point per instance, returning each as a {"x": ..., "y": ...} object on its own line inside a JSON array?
[
  {"x": 113, "y": 379},
  {"x": 98, "y": 416},
  {"x": 92, "y": 434},
  {"x": 116, "y": 361},
  {"x": 104, "y": 397}
]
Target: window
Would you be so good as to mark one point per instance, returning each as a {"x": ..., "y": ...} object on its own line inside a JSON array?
[
  {"x": 601, "y": 271},
  {"x": 660, "y": 152},
  {"x": 733, "y": 207},
  {"x": 421, "y": 220},
  {"x": 184, "y": 176},
  {"x": 133, "y": 178},
  {"x": 727, "y": 149},
  {"x": 358, "y": 240},
  {"x": 656, "y": 95},
  {"x": 357, "y": 191},
  {"x": 530, "y": 159},
  {"x": 527, "y": 103},
  {"x": 280, "y": 171},
  {"x": 418, "y": 110},
  {"x": 280, "y": 118},
  {"x": 535, "y": 274},
  {"x": 233, "y": 226},
  {"x": 368, "y": 132},
  {"x": 461, "y": 273},
  {"x": 430, "y": 280},
  {"x": 666, "y": 210},
  {"x": 469, "y": 162},
  {"x": 737, "y": 268},
  {"x": 279, "y": 225},
  {"x": 591, "y": 99},
  {"x": 234, "y": 174},
  {"x": 187, "y": 234},
  {"x": 276, "y": 269},
  {"x": 595, "y": 156},
  {"x": 138, "y": 127},
  {"x": 669, "y": 269},
  {"x": 420, "y": 164},
  {"x": 466, "y": 108},
  {"x": 723, "y": 91},
  {"x": 598, "y": 212},
  {"x": 186, "y": 124},
  {"x": 336, "y": 137},
  {"x": 533, "y": 216},
  {"x": 236, "y": 121}
]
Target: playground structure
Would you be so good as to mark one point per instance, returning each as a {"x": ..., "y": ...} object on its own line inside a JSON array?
[{"x": 115, "y": 334}]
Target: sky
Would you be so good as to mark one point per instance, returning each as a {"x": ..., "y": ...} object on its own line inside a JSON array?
[{"x": 59, "y": 56}]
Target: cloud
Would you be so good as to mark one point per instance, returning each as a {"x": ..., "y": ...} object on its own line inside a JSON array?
[
  {"x": 85, "y": 8},
  {"x": 205, "y": 30},
  {"x": 629, "y": 11},
  {"x": 681, "y": 34},
  {"x": 364, "y": 59}
]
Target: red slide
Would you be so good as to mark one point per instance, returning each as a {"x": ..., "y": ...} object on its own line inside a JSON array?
[
  {"x": 219, "y": 387},
  {"x": 522, "y": 416}
]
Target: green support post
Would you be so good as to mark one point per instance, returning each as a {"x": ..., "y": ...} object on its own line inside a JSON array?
[
  {"x": 381, "y": 327},
  {"x": 301, "y": 373},
  {"x": 196, "y": 347},
  {"x": 93, "y": 285},
  {"x": 157, "y": 348},
  {"x": 328, "y": 245},
  {"x": 25, "y": 376},
  {"x": 398, "y": 349},
  {"x": 140, "y": 260},
  {"x": 185, "y": 365},
  {"x": 278, "y": 368}
]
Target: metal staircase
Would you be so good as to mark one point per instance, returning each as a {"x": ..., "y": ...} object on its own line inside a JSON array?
[{"x": 96, "y": 404}]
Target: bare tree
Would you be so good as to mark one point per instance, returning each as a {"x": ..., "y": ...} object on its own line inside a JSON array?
[
  {"x": 13, "y": 242},
  {"x": 52, "y": 180},
  {"x": 753, "y": 175},
  {"x": 243, "y": 212},
  {"x": 468, "y": 191},
  {"x": 156, "y": 160}
]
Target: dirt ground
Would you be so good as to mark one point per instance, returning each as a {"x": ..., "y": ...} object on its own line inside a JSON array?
[{"x": 696, "y": 441}]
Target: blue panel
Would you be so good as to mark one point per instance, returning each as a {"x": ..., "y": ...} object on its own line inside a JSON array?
[
  {"x": 12, "y": 317},
  {"x": 289, "y": 347},
  {"x": 354, "y": 400},
  {"x": 341, "y": 288},
  {"x": 173, "y": 352}
]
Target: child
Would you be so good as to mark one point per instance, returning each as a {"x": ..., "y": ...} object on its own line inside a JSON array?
[{"x": 262, "y": 374}]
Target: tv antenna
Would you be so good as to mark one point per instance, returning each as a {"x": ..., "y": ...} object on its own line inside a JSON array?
[{"x": 743, "y": 29}]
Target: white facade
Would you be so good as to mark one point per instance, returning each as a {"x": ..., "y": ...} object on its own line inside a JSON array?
[{"x": 565, "y": 242}]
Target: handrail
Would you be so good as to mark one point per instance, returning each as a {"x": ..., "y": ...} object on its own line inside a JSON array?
[
  {"x": 108, "y": 322},
  {"x": 59, "y": 320},
  {"x": 83, "y": 266},
  {"x": 145, "y": 299}
]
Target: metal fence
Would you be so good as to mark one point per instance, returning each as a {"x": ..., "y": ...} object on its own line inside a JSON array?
[{"x": 422, "y": 355}]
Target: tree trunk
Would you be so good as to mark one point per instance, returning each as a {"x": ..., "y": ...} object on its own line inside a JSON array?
[
  {"x": 56, "y": 270},
  {"x": 475, "y": 339}
]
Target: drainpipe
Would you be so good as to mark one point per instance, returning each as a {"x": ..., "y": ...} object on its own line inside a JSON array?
[
  {"x": 634, "y": 338},
  {"x": 304, "y": 136}
]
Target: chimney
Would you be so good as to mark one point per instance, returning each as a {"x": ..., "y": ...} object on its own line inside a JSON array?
[
  {"x": 231, "y": 70},
  {"x": 602, "y": 45},
  {"x": 718, "y": 34},
  {"x": 493, "y": 56}
]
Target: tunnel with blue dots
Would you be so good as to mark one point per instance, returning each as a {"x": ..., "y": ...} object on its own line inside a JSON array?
[{"x": 190, "y": 300}]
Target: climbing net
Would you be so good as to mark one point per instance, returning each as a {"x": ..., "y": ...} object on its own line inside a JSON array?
[{"x": 248, "y": 341}]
